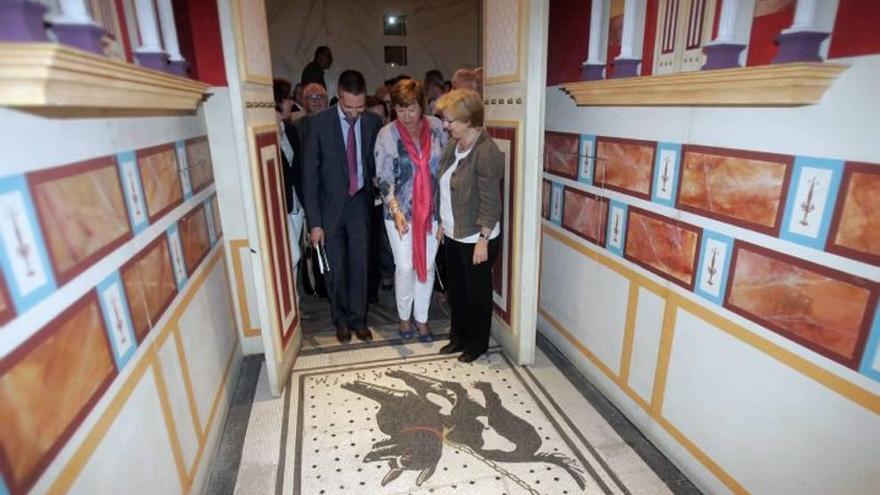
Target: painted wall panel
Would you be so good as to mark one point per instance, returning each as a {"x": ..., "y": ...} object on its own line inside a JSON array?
[
  {"x": 70, "y": 201},
  {"x": 207, "y": 332},
  {"x": 172, "y": 373},
  {"x": 147, "y": 464},
  {"x": 597, "y": 317},
  {"x": 762, "y": 421},
  {"x": 646, "y": 342}
]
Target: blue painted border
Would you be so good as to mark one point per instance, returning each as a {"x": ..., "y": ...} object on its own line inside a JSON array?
[
  {"x": 169, "y": 237},
  {"x": 122, "y": 162},
  {"x": 609, "y": 234},
  {"x": 3, "y": 489},
  {"x": 554, "y": 187},
  {"x": 23, "y": 302},
  {"x": 725, "y": 263},
  {"x": 209, "y": 216},
  {"x": 836, "y": 168},
  {"x": 582, "y": 156},
  {"x": 183, "y": 169},
  {"x": 872, "y": 348},
  {"x": 658, "y": 171},
  {"x": 115, "y": 279}
]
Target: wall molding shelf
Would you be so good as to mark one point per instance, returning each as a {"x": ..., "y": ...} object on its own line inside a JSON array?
[
  {"x": 54, "y": 76},
  {"x": 792, "y": 84}
]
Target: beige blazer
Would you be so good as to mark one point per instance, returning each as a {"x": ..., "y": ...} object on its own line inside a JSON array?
[{"x": 475, "y": 185}]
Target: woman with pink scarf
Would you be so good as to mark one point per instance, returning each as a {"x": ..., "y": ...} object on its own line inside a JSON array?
[{"x": 407, "y": 162}]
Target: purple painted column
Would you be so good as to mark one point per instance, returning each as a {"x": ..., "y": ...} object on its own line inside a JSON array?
[
  {"x": 723, "y": 52},
  {"x": 150, "y": 54},
  {"x": 22, "y": 20},
  {"x": 75, "y": 27},
  {"x": 802, "y": 41}
]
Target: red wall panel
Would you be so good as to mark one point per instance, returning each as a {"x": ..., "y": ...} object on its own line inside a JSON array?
[
  {"x": 765, "y": 29},
  {"x": 569, "y": 31},
  {"x": 856, "y": 29}
]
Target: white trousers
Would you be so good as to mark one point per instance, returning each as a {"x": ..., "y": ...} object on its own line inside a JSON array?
[
  {"x": 413, "y": 296},
  {"x": 294, "y": 231}
]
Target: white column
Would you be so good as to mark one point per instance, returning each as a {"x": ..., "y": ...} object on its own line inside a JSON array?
[
  {"x": 147, "y": 27},
  {"x": 630, "y": 11},
  {"x": 74, "y": 12},
  {"x": 727, "y": 22},
  {"x": 169, "y": 30},
  {"x": 598, "y": 20},
  {"x": 804, "y": 16}
]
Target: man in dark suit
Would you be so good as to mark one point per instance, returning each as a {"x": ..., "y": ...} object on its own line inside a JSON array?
[{"x": 337, "y": 180}]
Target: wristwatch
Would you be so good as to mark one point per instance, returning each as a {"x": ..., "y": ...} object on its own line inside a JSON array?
[{"x": 485, "y": 237}]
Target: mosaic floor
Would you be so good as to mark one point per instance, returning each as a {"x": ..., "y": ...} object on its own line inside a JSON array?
[{"x": 394, "y": 417}]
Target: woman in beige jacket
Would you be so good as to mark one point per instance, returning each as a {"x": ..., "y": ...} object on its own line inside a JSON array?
[{"x": 471, "y": 170}]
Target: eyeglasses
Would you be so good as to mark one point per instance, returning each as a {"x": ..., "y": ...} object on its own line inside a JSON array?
[
  {"x": 447, "y": 120},
  {"x": 316, "y": 97}
]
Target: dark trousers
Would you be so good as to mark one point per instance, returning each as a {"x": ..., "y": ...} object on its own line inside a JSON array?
[
  {"x": 347, "y": 247},
  {"x": 469, "y": 293},
  {"x": 381, "y": 258}
]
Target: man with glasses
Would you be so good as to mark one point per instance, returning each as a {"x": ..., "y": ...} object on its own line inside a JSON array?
[{"x": 337, "y": 180}]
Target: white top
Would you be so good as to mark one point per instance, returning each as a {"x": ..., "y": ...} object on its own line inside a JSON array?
[{"x": 446, "y": 217}]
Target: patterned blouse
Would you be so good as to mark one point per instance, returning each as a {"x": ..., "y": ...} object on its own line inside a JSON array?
[{"x": 394, "y": 170}]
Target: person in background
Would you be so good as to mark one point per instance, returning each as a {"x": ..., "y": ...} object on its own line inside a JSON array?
[
  {"x": 288, "y": 140},
  {"x": 467, "y": 79},
  {"x": 337, "y": 183},
  {"x": 447, "y": 86},
  {"x": 314, "y": 70},
  {"x": 381, "y": 259},
  {"x": 471, "y": 170},
  {"x": 298, "y": 111},
  {"x": 433, "y": 88},
  {"x": 407, "y": 161}
]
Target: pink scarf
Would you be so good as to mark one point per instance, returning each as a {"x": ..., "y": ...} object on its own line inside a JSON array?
[{"x": 422, "y": 201}]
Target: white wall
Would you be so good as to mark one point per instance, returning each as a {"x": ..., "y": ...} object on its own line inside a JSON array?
[
  {"x": 441, "y": 35},
  {"x": 736, "y": 406}
]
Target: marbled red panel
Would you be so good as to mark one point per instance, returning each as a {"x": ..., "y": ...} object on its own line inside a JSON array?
[
  {"x": 546, "y": 191},
  {"x": 856, "y": 228},
  {"x": 194, "y": 237},
  {"x": 161, "y": 179},
  {"x": 664, "y": 246},
  {"x": 82, "y": 212},
  {"x": 47, "y": 387},
  {"x": 825, "y": 310},
  {"x": 198, "y": 159},
  {"x": 503, "y": 266},
  {"x": 149, "y": 285},
  {"x": 561, "y": 153},
  {"x": 585, "y": 215},
  {"x": 625, "y": 165},
  {"x": 740, "y": 187}
]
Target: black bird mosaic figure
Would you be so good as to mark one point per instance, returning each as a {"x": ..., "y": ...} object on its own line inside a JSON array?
[{"x": 418, "y": 427}]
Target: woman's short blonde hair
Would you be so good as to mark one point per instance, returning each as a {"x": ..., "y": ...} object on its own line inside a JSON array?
[
  {"x": 463, "y": 105},
  {"x": 408, "y": 91}
]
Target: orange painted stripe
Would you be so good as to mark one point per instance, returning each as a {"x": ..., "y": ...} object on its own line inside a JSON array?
[
  {"x": 665, "y": 349},
  {"x": 173, "y": 438},
  {"x": 704, "y": 459},
  {"x": 187, "y": 381},
  {"x": 235, "y": 246},
  {"x": 629, "y": 332}
]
